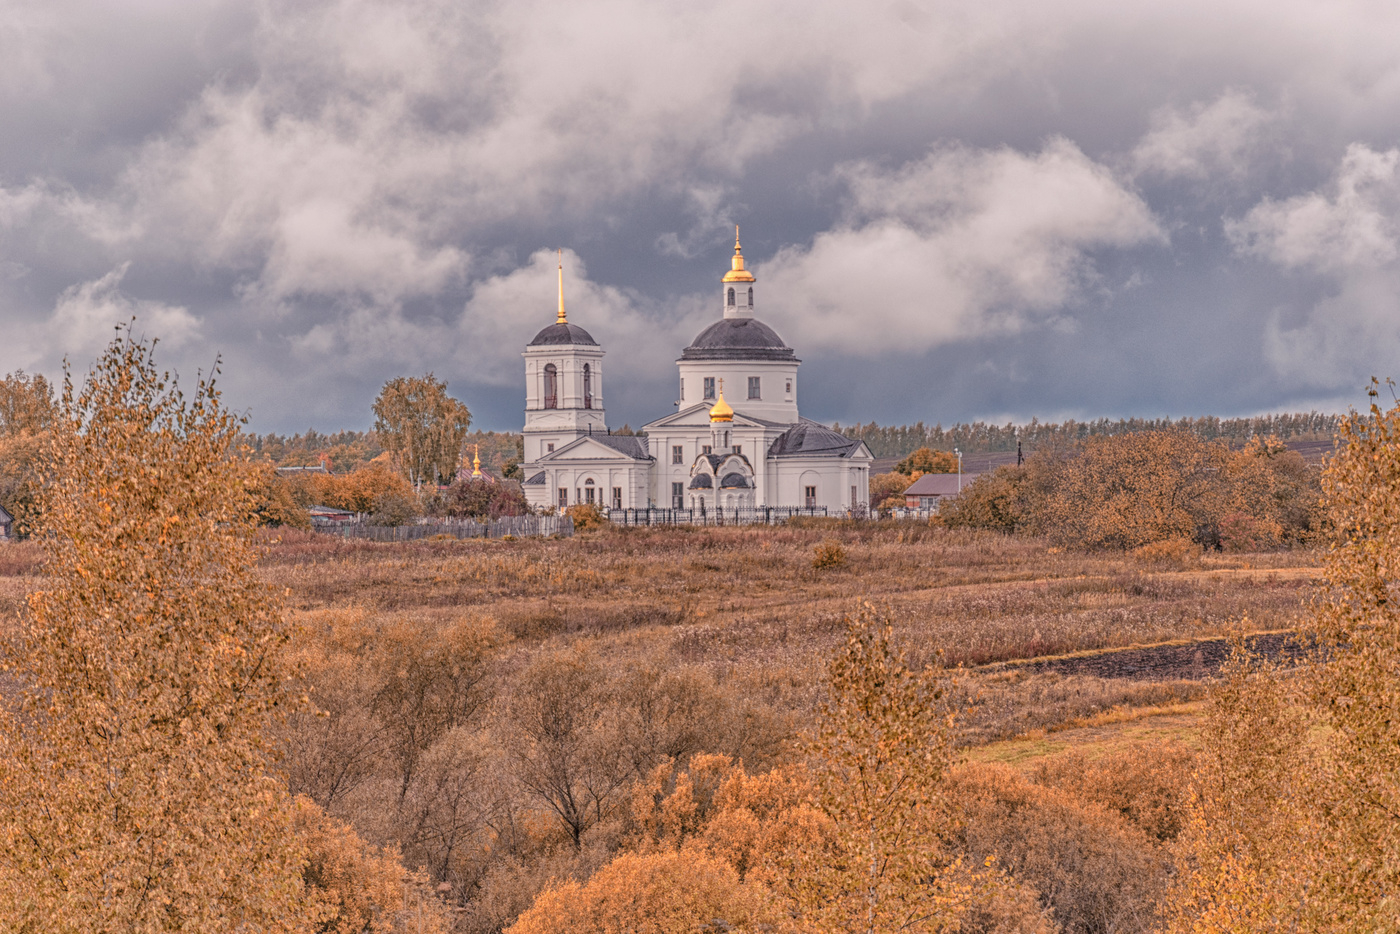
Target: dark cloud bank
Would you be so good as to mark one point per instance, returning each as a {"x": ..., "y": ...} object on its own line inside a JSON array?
[{"x": 955, "y": 210}]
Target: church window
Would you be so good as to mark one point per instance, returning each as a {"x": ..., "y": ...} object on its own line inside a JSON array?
[
  {"x": 588, "y": 491},
  {"x": 789, "y": 387},
  {"x": 709, "y": 387},
  {"x": 617, "y": 497},
  {"x": 551, "y": 386},
  {"x": 811, "y": 497},
  {"x": 682, "y": 389},
  {"x": 737, "y": 449},
  {"x": 563, "y": 497},
  {"x": 705, "y": 449},
  {"x": 750, "y": 296},
  {"x": 731, "y": 298},
  {"x": 549, "y": 448},
  {"x": 853, "y": 496},
  {"x": 678, "y": 495},
  {"x": 726, "y": 438},
  {"x": 677, "y": 454},
  {"x": 755, "y": 387},
  {"x": 587, "y": 387}
]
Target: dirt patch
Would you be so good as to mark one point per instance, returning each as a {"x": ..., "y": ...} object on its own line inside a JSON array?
[{"x": 1174, "y": 661}]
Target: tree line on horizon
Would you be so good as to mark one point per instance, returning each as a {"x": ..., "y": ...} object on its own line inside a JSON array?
[{"x": 983, "y": 437}]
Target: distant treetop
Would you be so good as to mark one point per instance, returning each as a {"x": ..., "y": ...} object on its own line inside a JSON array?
[{"x": 981, "y": 437}]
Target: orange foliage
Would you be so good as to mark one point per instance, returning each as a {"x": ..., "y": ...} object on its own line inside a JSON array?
[
  {"x": 358, "y": 888},
  {"x": 648, "y": 893}
]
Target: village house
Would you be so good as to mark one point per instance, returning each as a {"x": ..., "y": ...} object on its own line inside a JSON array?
[{"x": 932, "y": 488}]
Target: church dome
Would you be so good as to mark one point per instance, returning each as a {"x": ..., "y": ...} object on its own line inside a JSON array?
[
  {"x": 563, "y": 333},
  {"x": 734, "y": 481},
  {"x": 738, "y": 339}
]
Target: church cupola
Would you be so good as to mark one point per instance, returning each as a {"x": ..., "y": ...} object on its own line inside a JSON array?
[
  {"x": 721, "y": 410},
  {"x": 738, "y": 284}
]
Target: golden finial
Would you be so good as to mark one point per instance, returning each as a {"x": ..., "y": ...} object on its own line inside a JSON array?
[
  {"x": 561, "y": 319},
  {"x": 476, "y": 462},
  {"x": 737, "y": 272},
  {"x": 721, "y": 411}
]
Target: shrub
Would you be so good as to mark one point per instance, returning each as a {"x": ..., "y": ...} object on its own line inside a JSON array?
[
  {"x": 586, "y": 516},
  {"x": 829, "y": 554},
  {"x": 1170, "y": 552},
  {"x": 1093, "y": 868}
]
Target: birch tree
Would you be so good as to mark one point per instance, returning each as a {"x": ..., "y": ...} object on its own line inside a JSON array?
[{"x": 422, "y": 427}]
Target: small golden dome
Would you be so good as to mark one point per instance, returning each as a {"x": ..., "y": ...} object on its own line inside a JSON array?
[
  {"x": 720, "y": 411},
  {"x": 737, "y": 272},
  {"x": 476, "y": 463}
]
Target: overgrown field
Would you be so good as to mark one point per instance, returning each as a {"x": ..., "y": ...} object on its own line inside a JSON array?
[{"x": 490, "y": 706}]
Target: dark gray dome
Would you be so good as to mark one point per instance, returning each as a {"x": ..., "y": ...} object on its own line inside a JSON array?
[
  {"x": 701, "y": 482},
  {"x": 734, "y": 481},
  {"x": 738, "y": 339},
  {"x": 563, "y": 334}
]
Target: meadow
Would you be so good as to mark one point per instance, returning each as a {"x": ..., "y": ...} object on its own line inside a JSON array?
[
  {"x": 618, "y": 650},
  {"x": 489, "y": 707}
]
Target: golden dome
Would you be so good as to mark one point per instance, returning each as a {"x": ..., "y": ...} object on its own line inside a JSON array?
[
  {"x": 720, "y": 411},
  {"x": 476, "y": 462},
  {"x": 737, "y": 272}
]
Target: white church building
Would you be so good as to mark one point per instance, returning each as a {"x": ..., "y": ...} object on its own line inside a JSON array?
[{"x": 736, "y": 440}]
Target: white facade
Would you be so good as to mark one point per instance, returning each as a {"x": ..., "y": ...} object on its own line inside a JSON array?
[{"x": 736, "y": 440}]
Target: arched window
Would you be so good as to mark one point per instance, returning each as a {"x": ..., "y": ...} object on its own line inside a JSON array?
[
  {"x": 750, "y": 296},
  {"x": 588, "y": 494},
  {"x": 731, "y": 298},
  {"x": 587, "y": 387},
  {"x": 551, "y": 386}
]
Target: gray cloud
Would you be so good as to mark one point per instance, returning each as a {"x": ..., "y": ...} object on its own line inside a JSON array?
[{"x": 1086, "y": 202}]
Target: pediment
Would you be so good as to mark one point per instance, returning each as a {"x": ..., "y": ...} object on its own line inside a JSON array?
[
  {"x": 586, "y": 448},
  {"x": 698, "y": 416}
]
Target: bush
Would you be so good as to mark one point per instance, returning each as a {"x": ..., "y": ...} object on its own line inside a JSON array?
[
  {"x": 829, "y": 554},
  {"x": 1170, "y": 552},
  {"x": 1093, "y": 868},
  {"x": 394, "y": 508},
  {"x": 586, "y": 516}
]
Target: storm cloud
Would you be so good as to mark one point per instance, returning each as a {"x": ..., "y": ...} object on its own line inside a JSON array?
[{"x": 954, "y": 210}]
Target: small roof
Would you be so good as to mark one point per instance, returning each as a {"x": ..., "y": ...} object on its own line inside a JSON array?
[
  {"x": 939, "y": 484},
  {"x": 563, "y": 333},
  {"x": 808, "y": 437},
  {"x": 536, "y": 480},
  {"x": 5, "y": 515},
  {"x": 329, "y": 511}
]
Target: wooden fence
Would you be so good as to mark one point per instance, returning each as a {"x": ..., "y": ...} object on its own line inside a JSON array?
[{"x": 513, "y": 526}]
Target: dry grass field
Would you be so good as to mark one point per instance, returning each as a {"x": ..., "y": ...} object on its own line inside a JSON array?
[
  {"x": 1080, "y": 677},
  {"x": 747, "y": 606}
]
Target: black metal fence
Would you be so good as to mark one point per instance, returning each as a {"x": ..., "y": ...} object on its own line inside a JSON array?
[
  {"x": 513, "y": 526},
  {"x": 769, "y": 515}
]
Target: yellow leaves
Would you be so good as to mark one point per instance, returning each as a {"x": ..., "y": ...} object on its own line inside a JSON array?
[{"x": 656, "y": 893}]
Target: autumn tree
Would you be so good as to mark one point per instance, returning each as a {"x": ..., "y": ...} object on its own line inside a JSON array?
[
  {"x": 879, "y": 754},
  {"x": 927, "y": 460},
  {"x": 559, "y": 733},
  {"x": 422, "y": 427},
  {"x": 26, "y": 413},
  {"x": 1295, "y": 824},
  {"x": 134, "y": 784}
]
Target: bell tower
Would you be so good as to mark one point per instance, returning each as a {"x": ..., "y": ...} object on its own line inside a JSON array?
[
  {"x": 563, "y": 385},
  {"x": 738, "y": 284}
]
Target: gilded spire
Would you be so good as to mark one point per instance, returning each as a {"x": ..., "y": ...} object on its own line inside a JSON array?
[
  {"x": 476, "y": 462},
  {"x": 562, "y": 319},
  {"x": 721, "y": 411},
  {"x": 737, "y": 272}
]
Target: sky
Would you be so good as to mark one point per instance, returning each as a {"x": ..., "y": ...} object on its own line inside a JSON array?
[{"x": 955, "y": 210}]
